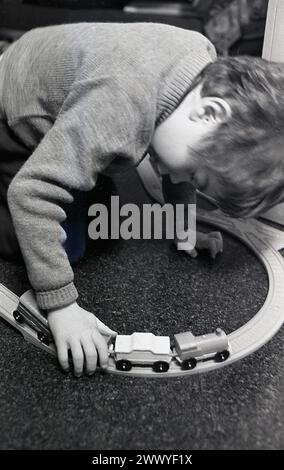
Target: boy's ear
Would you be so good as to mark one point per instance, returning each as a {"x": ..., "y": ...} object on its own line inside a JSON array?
[{"x": 211, "y": 110}]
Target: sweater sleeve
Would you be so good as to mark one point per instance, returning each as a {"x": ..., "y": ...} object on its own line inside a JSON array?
[{"x": 96, "y": 123}]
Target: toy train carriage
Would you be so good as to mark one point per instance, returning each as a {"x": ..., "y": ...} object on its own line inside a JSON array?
[
  {"x": 189, "y": 348},
  {"x": 143, "y": 350},
  {"x": 29, "y": 313}
]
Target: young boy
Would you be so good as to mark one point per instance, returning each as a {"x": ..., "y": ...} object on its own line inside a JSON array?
[{"x": 84, "y": 99}]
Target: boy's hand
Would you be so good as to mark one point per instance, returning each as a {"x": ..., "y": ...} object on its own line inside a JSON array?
[
  {"x": 211, "y": 241},
  {"x": 80, "y": 331}
]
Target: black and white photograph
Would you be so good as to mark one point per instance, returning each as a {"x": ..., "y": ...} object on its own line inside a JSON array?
[{"x": 141, "y": 230}]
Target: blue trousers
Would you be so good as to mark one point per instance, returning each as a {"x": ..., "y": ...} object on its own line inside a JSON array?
[
  {"x": 13, "y": 155},
  {"x": 75, "y": 226}
]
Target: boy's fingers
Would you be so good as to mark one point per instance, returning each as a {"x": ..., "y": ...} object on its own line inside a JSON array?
[
  {"x": 193, "y": 253},
  {"x": 105, "y": 330},
  {"x": 62, "y": 354},
  {"x": 102, "y": 348},
  {"x": 215, "y": 235},
  {"x": 77, "y": 356},
  {"x": 221, "y": 243},
  {"x": 218, "y": 237},
  {"x": 213, "y": 248},
  {"x": 91, "y": 356}
]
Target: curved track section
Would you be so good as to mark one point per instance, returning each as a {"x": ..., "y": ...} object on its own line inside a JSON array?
[{"x": 265, "y": 243}]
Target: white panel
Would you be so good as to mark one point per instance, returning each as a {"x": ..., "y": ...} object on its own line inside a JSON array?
[{"x": 269, "y": 29}]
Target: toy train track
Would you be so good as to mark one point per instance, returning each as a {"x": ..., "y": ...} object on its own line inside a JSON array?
[
  {"x": 9, "y": 303},
  {"x": 264, "y": 242}
]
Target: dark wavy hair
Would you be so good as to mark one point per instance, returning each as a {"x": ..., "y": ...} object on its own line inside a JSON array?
[{"x": 246, "y": 153}]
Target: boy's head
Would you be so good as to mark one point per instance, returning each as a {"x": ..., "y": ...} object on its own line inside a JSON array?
[{"x": 228, "y": 134}]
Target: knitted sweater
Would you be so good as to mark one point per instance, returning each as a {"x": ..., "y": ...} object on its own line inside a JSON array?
[{"x": 84, "y": 98}]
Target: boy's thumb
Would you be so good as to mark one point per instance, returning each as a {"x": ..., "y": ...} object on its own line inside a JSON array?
[{"x": 105, "y": 330}]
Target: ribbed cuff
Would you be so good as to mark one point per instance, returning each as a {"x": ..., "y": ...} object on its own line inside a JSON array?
[
  {"x": 57, "y": 298},
  {"x": 179, "y": 82}
]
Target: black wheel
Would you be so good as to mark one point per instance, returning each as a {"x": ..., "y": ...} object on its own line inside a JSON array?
[
  {"x": 161, "y": 366},
  {"x": 43, "y": 338},
  {"x": 123, "y": 364},
  {"x": 222, "y": 356},
  {"x": 189, "y": 364},
  {"x": 18, "y": 317}
]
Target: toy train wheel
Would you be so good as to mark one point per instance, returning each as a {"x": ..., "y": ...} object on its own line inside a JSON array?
[
  {"x": 160, "y": 366},
  {"x": 18, "y": 317},
  {"x": 123, "y": 364},
  {"x": 43, "y": 338},
  {"x": 222, "y": 356},
  {"x": 189, "y": 364}
]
